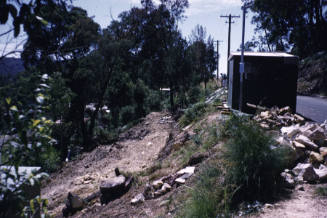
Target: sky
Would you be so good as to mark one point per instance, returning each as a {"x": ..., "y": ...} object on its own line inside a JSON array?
[{"x": 204, "y": 12}]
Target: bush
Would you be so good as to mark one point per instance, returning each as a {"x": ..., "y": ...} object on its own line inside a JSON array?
[
  {"x": 252, "y": 164},
  {"x": 193, "y": 113},
  {"x": 209, "y": 198}
]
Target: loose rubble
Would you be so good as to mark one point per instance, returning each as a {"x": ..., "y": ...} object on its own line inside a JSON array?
[
  {"x": 163, "y": 185},
  {"x": 276, "y": 117},
  {"x": 307, "y": 139}
]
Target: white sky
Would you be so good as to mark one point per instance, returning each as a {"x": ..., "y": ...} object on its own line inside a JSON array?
[{"x": 204, "y": 12}]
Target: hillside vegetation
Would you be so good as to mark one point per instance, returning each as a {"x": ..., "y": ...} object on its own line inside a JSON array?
[{"x": 313, "y": 75}]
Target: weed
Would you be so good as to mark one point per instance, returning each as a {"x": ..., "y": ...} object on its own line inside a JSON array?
[
  {"x": 193, "y": 114},
  {"x": 209, "y": 197},
  {"x": 321, "y": 191},
  {"x": 253, "y": 165}
]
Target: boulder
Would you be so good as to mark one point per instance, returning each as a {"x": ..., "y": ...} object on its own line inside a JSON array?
[
  {"x": 305, "y": 172},
  {"x": 307, "y": 142},
  {"x": 73, "y": 203},
  {"x": 114, "y": 188},
  {"x": 138, "y": 199}
]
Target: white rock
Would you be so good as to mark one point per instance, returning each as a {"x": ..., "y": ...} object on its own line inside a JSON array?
[
  {"x": 157, "y": 184},
  {"x": 138, "y": 199},
  {"x": 166, "y": 187},
  {"x": 180, "y": 181},
  {"x": 306, "y": 141},
  {"x": 322, "y": 172},
  {"x": 306, "y": 172},
  {"x": 323, "y": 151},
  {"x": 291, "y": 130},
  {"x": 298, "y": 145},
  {"x": 188, "y": 170}
]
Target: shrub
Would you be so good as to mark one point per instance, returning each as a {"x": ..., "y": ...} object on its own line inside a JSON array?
[
  {"x": 193, "y": 113},
  {"x": 209, "y": 198},
  {"x": 252, "y": 164}
]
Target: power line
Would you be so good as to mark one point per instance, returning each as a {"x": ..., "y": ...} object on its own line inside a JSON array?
[{"x": 230, "y": 17}]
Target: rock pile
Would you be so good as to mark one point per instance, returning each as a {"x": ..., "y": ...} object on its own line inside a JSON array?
[
  {"x": 309, "y": 141},
  {"x": 276, "y": 117},
  {"x": 163, "y": 185}
]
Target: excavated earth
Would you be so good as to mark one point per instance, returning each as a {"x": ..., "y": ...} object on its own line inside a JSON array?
[
  {"x": 135, "y": 151},
  {"x": 138, "y": 150}
]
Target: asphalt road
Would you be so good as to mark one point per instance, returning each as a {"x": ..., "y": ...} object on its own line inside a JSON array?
[{"x": 314, "y": 108}]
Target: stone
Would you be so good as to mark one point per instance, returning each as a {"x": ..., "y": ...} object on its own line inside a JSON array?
[
  {"x": 291, "y": 130},
  {"x": 323, "y": 151},
  {"x": 298, "y": 145},
  {"x": 315, "y": 157},
  {"x": 197, "y": 158},
  {"x": 180, "y": 181},
  {"x": 138, "y": 199},
  {"x": 317, "y": 134},
  {"x": 76, "y": 203},
  {"x": 166, "y": 187},
  {"x": 73, "y": 203},
  {"x": 114, "y": 188},
  {"x": 307, "y": 142},
  {"x": 157, "y": 184},
  {"x": 322, "y": 172},
  {"x": 306, "y": 172},
  {"x": 288, "y": 180},
  {"x": 188, "y": 170}
]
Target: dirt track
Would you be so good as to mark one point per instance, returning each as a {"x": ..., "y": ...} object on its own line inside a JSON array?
[{"x": 136, "y": 150}]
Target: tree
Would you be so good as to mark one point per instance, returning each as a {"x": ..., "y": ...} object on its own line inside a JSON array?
[
  {"x": 299, "y": 25},
  {"x": 203, "y": 54}
]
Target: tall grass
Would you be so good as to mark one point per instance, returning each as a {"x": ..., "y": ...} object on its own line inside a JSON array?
[{"x": 252, "y": 163}]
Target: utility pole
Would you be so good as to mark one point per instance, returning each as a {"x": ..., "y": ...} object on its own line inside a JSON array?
[
  {"x": 230, "y": 17},
  {"x": 218, "y": 56}
]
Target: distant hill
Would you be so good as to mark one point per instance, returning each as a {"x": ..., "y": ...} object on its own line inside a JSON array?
[{"x": 10, "y": 67}]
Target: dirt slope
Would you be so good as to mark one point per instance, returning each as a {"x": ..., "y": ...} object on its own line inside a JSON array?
[{"x": 136, "y": 150}]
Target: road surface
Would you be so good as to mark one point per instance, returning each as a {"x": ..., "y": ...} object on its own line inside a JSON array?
[{"x": 314, "y": 108}]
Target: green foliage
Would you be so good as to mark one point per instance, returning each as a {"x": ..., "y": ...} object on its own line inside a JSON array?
[
  {"x": 321, "y": 191},
  {"x": 252, "y": 163},
  {"x": 192, "y": 114},
  {"x": 291, "y": 24},
  {"x": 209, "y": 197}
]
